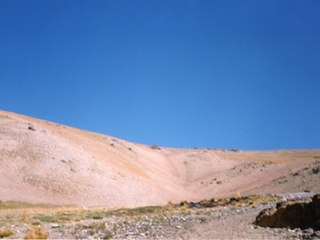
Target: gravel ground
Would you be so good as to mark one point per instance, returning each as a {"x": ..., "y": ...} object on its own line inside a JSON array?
[
  {"x": 296, "y": 196},
  {"x": 211, "y": 223}
]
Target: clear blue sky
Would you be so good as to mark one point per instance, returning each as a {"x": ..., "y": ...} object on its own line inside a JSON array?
[{"x": 239, "y": 74}]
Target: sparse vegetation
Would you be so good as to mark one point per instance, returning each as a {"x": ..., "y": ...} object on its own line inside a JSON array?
[
  {"x": 6, "y": 233},
  {"x": 35, "y": 232},
  {"x": 65, "y": 218},
  {"x": 238, "y": 195},
  {"x": 108, "y": 235},
  {"x": 25, "y": 216},
  {"x": 47, "y": 219},
  {"x": 98, "y": 217}
]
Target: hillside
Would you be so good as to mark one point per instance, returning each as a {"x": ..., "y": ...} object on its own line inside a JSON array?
[{"x": 45, "y": 162}]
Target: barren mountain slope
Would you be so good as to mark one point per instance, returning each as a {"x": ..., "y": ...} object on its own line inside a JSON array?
[{"x": 45, "y": 162}]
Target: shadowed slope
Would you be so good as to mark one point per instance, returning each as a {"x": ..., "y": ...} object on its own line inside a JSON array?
[{"x": 44, "y": 162}]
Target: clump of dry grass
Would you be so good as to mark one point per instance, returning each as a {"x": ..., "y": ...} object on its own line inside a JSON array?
[
  {"x": 238, "y": 195},
  {"x": 25, "y": 216},
  {"x": 65, "y": 218},
  {"x": 35, "y": 232},
  {"x": 183, "y": 208},
  {"x": 238, "y": 204},
  {"x": 6, "y": 233},
  {"x": 168, "y": 207},
  {"x": 54, "y": 218},
  {"x": 108, "y": 235}
]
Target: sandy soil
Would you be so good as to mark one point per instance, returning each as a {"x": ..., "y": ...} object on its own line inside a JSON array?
[{"x": 45, "y": 162}]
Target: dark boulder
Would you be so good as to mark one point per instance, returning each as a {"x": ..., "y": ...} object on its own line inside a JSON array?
[{"x": 301, "y": 214}]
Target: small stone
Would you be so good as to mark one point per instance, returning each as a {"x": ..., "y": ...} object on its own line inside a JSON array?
[
  {"x": 317, "y": 233},
  {"x": 308, "y": 231},
  {"x": 31, "y": 128}
]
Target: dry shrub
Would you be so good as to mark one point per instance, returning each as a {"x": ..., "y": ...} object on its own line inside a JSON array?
[
  {"x": 6, "y": 233},
  {"x": 35, "y": 232},
  {"x": 254, "y": 205},
  {"x": 77, "y": 219},
  {"x": 25, "y": 216},
  {"x": 239, "y": 204},
  {"x": 222, "y": 201},
  {"x": 108, "y": 235},
  {"x": 184, "y": 204},
  {"x": 65, "y": 218},
  {"x": 234, "y": 203},
  {"x": 183, "y": 208},
  {"x": 101, "y": 226},
  {"x": 54, "y": 218},
  {"x": 238, "y": 195},
  {"x": 61, "y": 211},
  {"x": 168, "y": 207}
]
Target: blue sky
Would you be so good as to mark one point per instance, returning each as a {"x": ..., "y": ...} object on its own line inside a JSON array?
[{"x": 183, "y": 74}]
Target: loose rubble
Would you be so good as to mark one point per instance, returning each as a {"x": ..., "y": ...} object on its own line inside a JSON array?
[{"x": 200, "y": 220}]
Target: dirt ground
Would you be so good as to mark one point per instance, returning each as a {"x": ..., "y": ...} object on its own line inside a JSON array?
[{"x": 208, "y": 223}]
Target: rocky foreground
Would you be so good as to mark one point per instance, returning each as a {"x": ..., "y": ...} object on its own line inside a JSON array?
[{"x": 224, "y": 221}]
